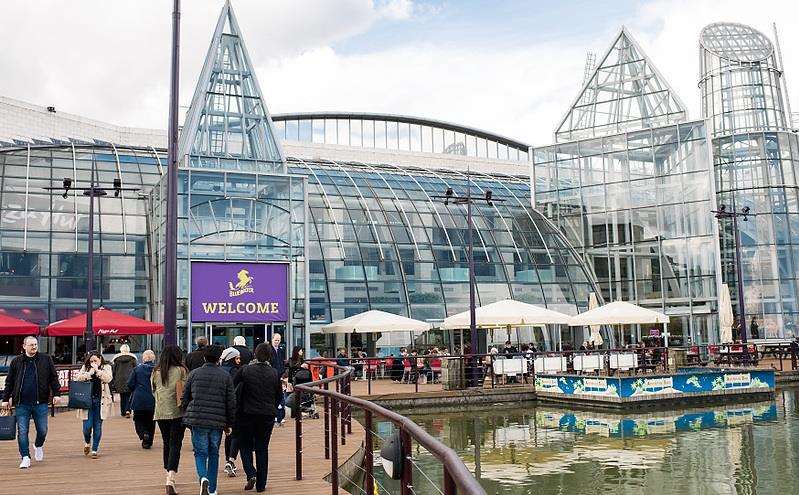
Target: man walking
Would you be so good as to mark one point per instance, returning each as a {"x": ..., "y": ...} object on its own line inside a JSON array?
[
  {"x": 196, "y": 358},
  {"x": 278, "y": 362},
  {"x": 210, "y": 404},
  {"x": 31, "y": 381},
  {"x": 245, "y": 354}
]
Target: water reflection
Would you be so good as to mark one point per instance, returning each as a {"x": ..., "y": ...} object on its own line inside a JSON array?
[{"x": 736, "y": 449}]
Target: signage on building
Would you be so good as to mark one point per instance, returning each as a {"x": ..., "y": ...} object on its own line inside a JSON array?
[{"x": 239, "y": 292}]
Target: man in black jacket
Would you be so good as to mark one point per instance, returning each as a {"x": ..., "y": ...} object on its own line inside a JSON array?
[
  {"x": 245, "y": 354},
  {"x": 261, "y": 393},
  {"x": 31, "y": 380},
  {"x": 278, "y": 362},
  {"x": 210, "y": 409},
  {"x": 196, "y": 358}
]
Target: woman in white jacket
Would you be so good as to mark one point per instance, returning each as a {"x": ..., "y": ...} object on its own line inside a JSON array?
[{"x": 97, "y": 371}]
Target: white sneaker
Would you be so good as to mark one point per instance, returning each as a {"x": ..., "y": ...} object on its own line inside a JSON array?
[
  {"x": 38, "y": 454},
  {"x": 26, "y": 463}
]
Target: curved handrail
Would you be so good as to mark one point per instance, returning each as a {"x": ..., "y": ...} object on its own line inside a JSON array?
[{"x": 460, "y": 474}]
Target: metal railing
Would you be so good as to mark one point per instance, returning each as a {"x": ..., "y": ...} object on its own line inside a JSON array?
[{"x": 338, "y": 406}]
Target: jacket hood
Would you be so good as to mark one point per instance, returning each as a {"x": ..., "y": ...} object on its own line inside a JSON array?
[{"x": 123, "y": 356}]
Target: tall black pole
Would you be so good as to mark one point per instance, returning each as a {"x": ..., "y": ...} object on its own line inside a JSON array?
[
  {"x": 171, "y": 271},
  {"x": 472, "y": 304},
  {"x": 739, "y": 276},
  {"x": 88, "y": 333}
]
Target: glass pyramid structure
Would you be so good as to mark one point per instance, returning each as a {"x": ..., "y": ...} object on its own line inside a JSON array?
[
  {"x": 228, "y": 117},
  {"x": 625, "y": 92}
]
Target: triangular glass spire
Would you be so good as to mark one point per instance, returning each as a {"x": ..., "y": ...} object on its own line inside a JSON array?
[
  {"x": 228, "y": 116},
  {"x": 625, "y": 92}
]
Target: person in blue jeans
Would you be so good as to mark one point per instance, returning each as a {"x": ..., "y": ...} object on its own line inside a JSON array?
[
  {"x": 210, "y": 409},
  {"x": 97, "y": 371},
  {"x": 31, "y": 382}
]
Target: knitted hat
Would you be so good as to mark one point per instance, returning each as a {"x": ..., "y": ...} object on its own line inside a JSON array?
[{"x": 230, "y": 353}]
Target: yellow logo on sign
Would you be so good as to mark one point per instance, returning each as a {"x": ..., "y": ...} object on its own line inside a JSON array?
[{"x": 244, "y": 285}]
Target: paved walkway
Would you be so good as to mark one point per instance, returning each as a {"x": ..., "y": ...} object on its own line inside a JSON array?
[{"x": 125, "y": 468}]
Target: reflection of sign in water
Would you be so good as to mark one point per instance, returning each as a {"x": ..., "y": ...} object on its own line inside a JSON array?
[{"x": 239, "y": 292}]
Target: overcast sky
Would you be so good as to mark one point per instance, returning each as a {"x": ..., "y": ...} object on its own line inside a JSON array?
[{"x": 510, "y": 67}]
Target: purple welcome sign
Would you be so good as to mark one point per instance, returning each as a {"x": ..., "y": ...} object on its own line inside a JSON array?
[{"x": 239, "y": 292}]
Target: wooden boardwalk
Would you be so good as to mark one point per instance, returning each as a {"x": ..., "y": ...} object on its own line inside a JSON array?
[{"x": 125, "y": 468}]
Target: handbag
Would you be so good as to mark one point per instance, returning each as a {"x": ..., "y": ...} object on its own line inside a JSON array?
[
  {"x": 8, "y": 425},
  {"x": 80, "y": 395}
]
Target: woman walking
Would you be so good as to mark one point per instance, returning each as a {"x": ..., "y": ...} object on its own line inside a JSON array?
[
  {"x": 295, "y": 362},
  {"x": 142, "y": 401},
  {"x": 261, "y": 392},
  {"x": 97, "y": 371},
  {"x": 231, "y": 362},
  {"x": 167, "y": 381}
]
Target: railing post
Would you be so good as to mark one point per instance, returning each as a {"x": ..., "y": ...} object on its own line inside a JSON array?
[
  {"x": 532, "y": 371},
  {"x": 334, "y": 446},
  {"x": 327, "y": 425},
  {"x": 369, "y": 486},
  {"x": 298, "y": 435},
  {"x": 340, "y": 388},
  {"x": 793, "y": 357},
  {"x": 407, "y": 465},
  {"x": 369, "y": 380},
  {"x": 449, "y": 484},
  {"x": 349, "y": 405}
]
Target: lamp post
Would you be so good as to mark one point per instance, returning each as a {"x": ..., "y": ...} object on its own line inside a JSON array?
[
  {"x": 722, "y": 214},
  {"x": 170, "y": 294},
  {"x": 450, "y": 197},
  {"x": 94, "y": 190}
]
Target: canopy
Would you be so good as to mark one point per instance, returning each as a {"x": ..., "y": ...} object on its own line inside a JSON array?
[
  {"x": 376, "y": 321},
  {"x": 104, "y": 322},
  {"x": 725, "y": 315},
  {"x": 14, "y": 326},
  {"x": 507, "y": 312},
  {"x": 618, "y": 313},
  {"x": 596, "y": 337}
]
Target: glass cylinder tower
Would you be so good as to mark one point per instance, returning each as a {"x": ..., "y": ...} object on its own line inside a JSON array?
[{"x": 755, "y": 160}]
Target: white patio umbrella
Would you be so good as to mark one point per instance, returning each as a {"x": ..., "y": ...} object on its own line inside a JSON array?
[
  {"x": 596, "y": 337},
  {"x": 725, "y": 315},
  {"x": 376, "y": 321},
  {"x": 619, "y": 313},
  {"x": 507, "y": 313}
]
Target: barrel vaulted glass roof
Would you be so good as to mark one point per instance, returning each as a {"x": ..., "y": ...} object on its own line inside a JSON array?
[{"x": 381, "y": 240}]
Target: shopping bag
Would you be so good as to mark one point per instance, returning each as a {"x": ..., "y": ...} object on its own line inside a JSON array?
[
  {"x": 8, "y": 425},
  {"x": 80, "y": 395}
]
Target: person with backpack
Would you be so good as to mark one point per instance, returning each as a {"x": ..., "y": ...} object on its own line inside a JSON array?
[
  {"x": 32, "y": 380},
  {"x": 122, "y": 366},
  {"x": 260, "y": 392},
  {"x": 210, "y": 409}
]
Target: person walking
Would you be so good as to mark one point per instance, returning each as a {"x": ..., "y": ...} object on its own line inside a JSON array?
[
  {"x": 122, "y": 366},
  {"x": 210, "y": 408},
  {"x": 142, "y": 401},
  {"x": 261, "y": 392},
  {"x": 231, "y": 362},
  {"x": 240, "y": 344},
  {"x": 278, "y": 362},
  {"x": 196, "y": 358},
  {"x": 295, "y": 362},
  {"x": 97, "y": 371},
  {"x": 31, "y": 382},
  {"x": 168, "y": 380}
]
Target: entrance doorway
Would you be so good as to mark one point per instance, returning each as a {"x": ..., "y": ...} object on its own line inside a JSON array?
[{"x": 254, "y": 333}]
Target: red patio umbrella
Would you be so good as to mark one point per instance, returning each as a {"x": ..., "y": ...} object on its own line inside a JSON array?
[
  {"x": 14, "y": 326},
  {"x": 104, "y": 322}
]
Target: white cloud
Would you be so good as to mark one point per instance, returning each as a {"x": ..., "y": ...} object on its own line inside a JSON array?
[{"x": 113, "y": 63}]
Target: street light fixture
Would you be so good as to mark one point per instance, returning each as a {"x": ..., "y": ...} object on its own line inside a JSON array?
[
  {"x": 450, "y": 197},
  {"x": 94, "y": 190},
  {"x": 723, "y": 214}
]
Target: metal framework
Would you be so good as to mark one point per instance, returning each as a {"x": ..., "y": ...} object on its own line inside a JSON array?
[
  {"x": 228, "y": 116},
  {"x": 624, "y": 92}
]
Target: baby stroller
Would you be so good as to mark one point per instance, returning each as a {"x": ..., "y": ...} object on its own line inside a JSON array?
[{"x": 307, "y": 405}]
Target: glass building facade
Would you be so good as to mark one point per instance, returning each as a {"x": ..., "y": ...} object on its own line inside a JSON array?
[
  {"x": 756, "y": 161},
  {"x": 637, "y": 207}
]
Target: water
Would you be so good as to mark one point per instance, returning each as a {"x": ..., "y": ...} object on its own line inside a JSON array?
[{"x": 735, "y": 449}]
